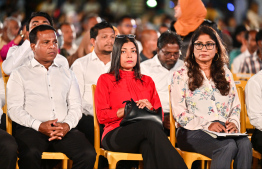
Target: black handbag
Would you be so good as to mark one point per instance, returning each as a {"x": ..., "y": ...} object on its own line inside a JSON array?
[{"x": 134, "y": 114}]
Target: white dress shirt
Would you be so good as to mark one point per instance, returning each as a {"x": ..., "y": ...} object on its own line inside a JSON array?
[
  {"x": 197, "y": 109},
  {"x": 161, "y": 76},
  {"x": 253, "y": 93},
  {"x": 87, "y": 70},
  {"x": 238, "y": 61},
  {"x": 36, "y": 95},
  {"x": 2, "y": 95},
  {"x": 19, "y": 55}
]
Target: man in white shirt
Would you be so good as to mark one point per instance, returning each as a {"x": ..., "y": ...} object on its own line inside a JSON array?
[
  {"x": 161, "y": 68},
  {"x": 8, "y": 146},
  {"x": 19, "y": 55},
  {"x": 250, "y": 40},
  {"x": 253, "y": 91},
  {"x": 44, "y": 100},
  {"x": 88, "y": 69}
]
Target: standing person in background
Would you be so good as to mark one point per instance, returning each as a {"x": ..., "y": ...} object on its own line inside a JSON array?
[
  {"x": 123, "y": 82},
  {"x": 189, "y": 14},
  {"x": 19, "y": 55},
  {"x": 149, "y": 44},
  {"x": 10, "y": 35},
  {"x": 68, "y": 43},
  {"x": 204, "y": 96},
  {"x": 253, "y": 63},
  {"x": 127, "y": 25},
  {"x": 161, "y": 68},
  {"x": 251, "y": 47}
]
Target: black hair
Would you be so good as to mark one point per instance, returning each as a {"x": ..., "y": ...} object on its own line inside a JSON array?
[
  {"x": 116, "y": 56},
  {"x": 102, "y": 25},
  {"x": 168, "y": 37},
  {"x": 248, "y": 32},
  {"x": 259, "y": 35},
  {"x": 238, "y": 30},
  {"x": 120, "y": 20},
  {"x": 64, "y": 23},
  {"x": 43, "y": 14},
  {"x": 217, "y": 70},
  {"x": 40, "y": 28}
]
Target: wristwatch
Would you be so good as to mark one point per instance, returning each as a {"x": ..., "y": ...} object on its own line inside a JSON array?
[{"x": 21, "y": 34}]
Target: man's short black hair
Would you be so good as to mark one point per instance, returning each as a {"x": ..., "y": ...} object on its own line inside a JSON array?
[
  {"x": 168, "y": 37},
  {"x": 102, "y": 25},
  {"x": 120, "y": 20},
  {"x": 64, "y": 23},
  {"x": 43, "y": 14},
  {"x": 259, "y": 35},
  {"x": 247, "y": 33},
  {"x": 40, "y": 28}
]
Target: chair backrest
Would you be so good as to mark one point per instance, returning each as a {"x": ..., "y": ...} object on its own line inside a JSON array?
[
  {"x": 96, "y": 123},
  {"x": 172, "y": 122},
  {"x": 242, "y": 76},
  {"x": 8, "y": 120}
]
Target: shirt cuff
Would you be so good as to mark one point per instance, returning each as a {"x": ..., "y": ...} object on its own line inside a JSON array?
[
  {"x": 205, "y": 126},
  {"x": 69, "y": 123},
  {"x": 36, "y": 124}
]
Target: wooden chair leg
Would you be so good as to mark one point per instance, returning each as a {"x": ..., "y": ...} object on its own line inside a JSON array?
[
  {"x": 96, "y": 163},
  {"x": 208, "y": 164},
  {"x": 203, "y": 164},
  {"x": 112, "y": 164},
  {"x": 140, "y": 165},
  {"x": 70, "y": 164},
  {"x": 64, "y": 164},
  {"x": 255, "y": 163}
]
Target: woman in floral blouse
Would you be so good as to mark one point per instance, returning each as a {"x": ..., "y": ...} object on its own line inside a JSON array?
[{"x": 204, "y": 96}]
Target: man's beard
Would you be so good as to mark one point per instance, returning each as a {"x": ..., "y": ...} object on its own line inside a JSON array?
[
  {"x": 105, "y": 52},
  {"x": 10, "y": 36}
]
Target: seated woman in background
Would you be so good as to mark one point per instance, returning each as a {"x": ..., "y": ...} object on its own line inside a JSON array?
[
  {"x": 204, "y": 96},
  {"x": 124, "y": 82}
]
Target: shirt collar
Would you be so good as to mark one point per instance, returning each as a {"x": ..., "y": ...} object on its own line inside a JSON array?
[
  {"x": 94, "y": 56},
  {"x": 35, "y": 63}
]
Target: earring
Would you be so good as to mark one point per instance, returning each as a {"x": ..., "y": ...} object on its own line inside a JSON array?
[{"x": 217, "y": 57}]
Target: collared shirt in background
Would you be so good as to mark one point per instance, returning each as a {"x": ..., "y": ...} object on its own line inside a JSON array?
[
  {"x": 87, "y": 70},
  {"x": 251, "y": 64},
  {"x": 161, "y": 76}
]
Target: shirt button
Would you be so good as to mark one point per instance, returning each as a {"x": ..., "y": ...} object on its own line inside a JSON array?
[
  {"x": 53, "y": 109},
  {"x": 51, "y": 97},
  {"x": 49, "y": 85}
]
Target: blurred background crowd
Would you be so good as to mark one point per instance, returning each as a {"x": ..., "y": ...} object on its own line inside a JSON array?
[{"x": 233, "y": 17}]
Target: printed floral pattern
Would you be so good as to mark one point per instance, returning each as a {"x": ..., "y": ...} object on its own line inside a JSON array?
[{"x": 197, "y": 109}]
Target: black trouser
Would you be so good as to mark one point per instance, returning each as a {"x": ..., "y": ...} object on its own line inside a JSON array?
[
  {"x": 86, "y": 126},
  {"x": 147, "y": 138},
  {"x": 8, "y": 151},
  {"x": 222, "y": 151},
  {"x": 31, "y": 145},
  {"x": 256, "y": 140}
]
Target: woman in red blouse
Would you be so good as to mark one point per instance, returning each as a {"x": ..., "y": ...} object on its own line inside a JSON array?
[{"x": 124, "y": 82}]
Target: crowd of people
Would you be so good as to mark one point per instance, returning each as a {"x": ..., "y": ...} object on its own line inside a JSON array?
[{"x": 49, "y": 96}]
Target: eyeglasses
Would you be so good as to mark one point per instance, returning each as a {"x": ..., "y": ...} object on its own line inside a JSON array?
[
  {"x": 169, "y": 55},
  {"x": 123, "y": 36},
  {"x": 209, "y": 46}
]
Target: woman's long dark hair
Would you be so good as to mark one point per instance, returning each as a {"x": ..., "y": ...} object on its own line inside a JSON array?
[
  {"x": 116, "y": 56},
  {"x": 217, "y": 67}
]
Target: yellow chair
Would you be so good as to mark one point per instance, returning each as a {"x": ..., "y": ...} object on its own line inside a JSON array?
[
  {"x": 245, "y": 123},
  {"x": 241, "y": 78},
  {"x": 45, "y": 155},
  {"x": 189, "y": 157},
  {"x": 112, "y": 157}
]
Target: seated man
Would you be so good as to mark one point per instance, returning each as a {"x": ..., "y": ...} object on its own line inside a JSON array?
[
  {"x": 44, "y": 99},
  {"x": 253, "y": 91},
  {"x": 162, "y": 66},
  {"x": 8, "y": 146}
]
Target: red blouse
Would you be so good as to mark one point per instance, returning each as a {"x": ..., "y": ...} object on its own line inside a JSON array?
[{"x": 109, "y": 96}]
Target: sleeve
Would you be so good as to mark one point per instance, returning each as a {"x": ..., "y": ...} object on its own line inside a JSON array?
[
  {"x": 74, "y": 113},
  {"x": 180, "y": 110},
  {"x": 253, "y": 92},
  {"x": 5, "y": 49},
  {"x": 16, "y": 56},
  {"x": 234, "y": 113},
  {"x": 15, "y": 103},
  {"x": 2, "y": 95},
  {"x": 105, "y": 112}
]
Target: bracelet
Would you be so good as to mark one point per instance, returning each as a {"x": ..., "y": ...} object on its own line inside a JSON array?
[{"x": 21, "y": 34}]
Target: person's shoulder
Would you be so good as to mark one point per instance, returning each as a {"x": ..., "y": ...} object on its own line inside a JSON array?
[
  {"x": 256, "y": 78},
  {"x": 83, "y": 60},
  {"x": 148, "y": 62},
  {"x": 107, "y": 77}
]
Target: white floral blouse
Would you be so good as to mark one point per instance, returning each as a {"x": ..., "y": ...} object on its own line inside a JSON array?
[{"x": 197, "y": 109}]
